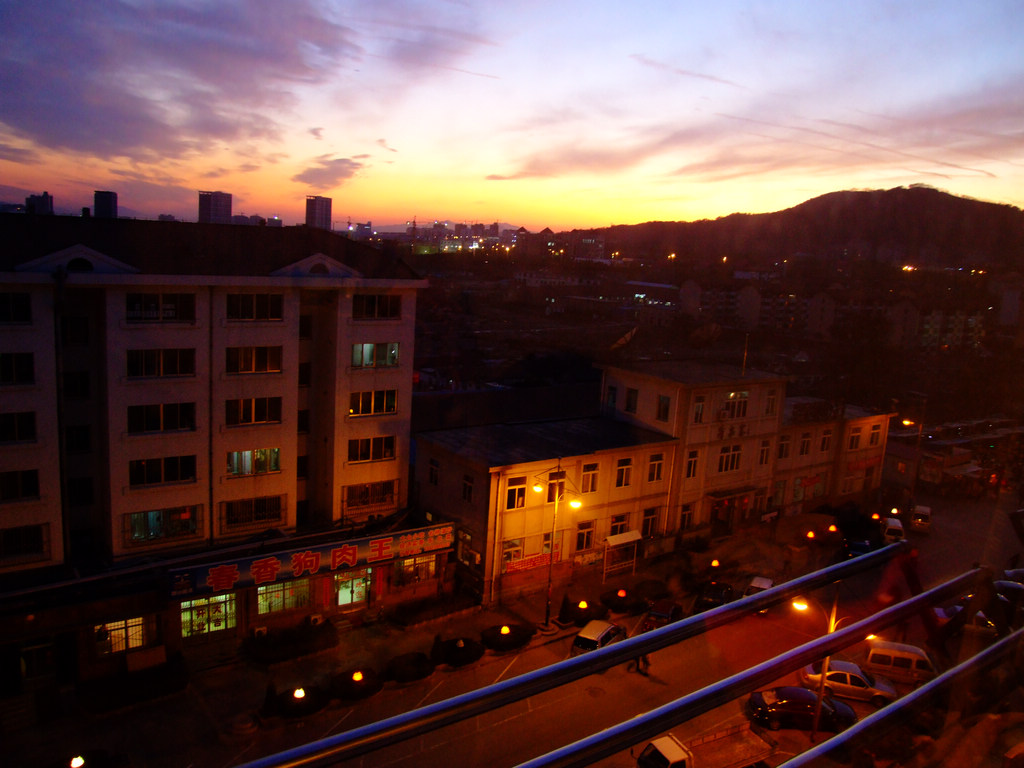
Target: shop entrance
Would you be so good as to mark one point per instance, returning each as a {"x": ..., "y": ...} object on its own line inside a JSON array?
[{"x": 352, "y": 589}]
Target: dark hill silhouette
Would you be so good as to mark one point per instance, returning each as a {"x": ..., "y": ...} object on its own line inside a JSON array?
[{"x": 917, "y": 224}]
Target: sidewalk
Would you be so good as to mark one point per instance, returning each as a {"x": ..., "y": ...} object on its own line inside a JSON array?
[{"x": 216, "y": 721}]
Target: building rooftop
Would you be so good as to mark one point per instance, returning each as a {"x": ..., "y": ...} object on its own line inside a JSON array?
[
  {"x": 699, "y": 372},
  {"x": 500, "y": 445},
  {"x": 185, "y": 248}
]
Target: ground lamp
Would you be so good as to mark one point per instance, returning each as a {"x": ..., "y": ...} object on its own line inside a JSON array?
[{"x": 556, "y": 492}]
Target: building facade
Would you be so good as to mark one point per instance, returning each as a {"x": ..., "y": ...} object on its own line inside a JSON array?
[
  {"x": 175, "y": 392},
  {"x": 529, "y": 499},
  {"x": 104, "y": 204},
  {"x": 683, "y": 450},
  {"x": 214, "y": 208},
  {"x": 318, "y": 212}
]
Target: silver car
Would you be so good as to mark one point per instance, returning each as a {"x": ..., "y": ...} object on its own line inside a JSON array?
[{"x": 849, "y": 681}]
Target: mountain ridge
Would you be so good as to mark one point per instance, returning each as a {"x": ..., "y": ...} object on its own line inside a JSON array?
[{"x": 917, "y": 225}]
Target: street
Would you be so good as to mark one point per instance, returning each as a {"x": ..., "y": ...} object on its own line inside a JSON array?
[{"x": 963, "y": 533}]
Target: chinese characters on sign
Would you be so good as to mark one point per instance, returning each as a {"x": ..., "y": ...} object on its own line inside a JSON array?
[{"x": 308, "y": 562}]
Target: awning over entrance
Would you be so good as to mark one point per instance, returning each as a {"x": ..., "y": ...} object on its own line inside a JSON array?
[
  {"x": 622, "y": 538},
  {"x": 620, "y": 553}
]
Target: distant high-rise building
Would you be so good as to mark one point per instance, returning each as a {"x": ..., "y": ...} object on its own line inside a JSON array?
[
  {"x": 41, "y": 204},
  {"x": 214, "y": 208},
  {"x": 104, "y": 205},
  {"x": 318, "y": 212}
]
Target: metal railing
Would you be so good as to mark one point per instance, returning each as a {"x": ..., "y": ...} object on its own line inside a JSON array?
[{"x": 374, "y": 736}]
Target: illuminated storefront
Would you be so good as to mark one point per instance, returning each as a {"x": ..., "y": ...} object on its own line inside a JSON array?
[{"x": 280, "y": 588}]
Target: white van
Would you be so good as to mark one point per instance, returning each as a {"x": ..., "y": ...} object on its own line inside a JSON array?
[
  {"x": 899, "y": 662},
  {"x": 892, "y": 530},
  {"x": 921, "y": 518}
]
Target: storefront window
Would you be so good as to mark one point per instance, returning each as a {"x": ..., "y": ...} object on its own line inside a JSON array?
[
  {"x": 283, "y": 596},
  {"x": 414, "y": 569},
  {"x": 207, "y": 614},
  {"x": 119, "y": 636}
]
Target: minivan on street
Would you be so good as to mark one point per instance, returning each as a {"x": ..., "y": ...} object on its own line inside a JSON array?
[
  {"x": 899, "y": 662},
  {"x": 892, "y": 530},
  {"x": 921, "y": 518}
]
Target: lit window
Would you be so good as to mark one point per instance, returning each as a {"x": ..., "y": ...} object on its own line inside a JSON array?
[
  {"x": 282, "y": 596},
  {"x": 120, "y": 636}
]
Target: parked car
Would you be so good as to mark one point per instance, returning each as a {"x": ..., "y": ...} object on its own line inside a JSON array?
[
  {"x": 892, "y": 530},
  {"x": 848, "y": 680},
  {"x": 596, "y": 634},
  {"x": 921, "y": 518},
  {"x": 790, "y": 706},
  {"x": 858, "y": 547},
  {"x": 711, "y": 595},
  {"x": 662, "y": 612},
  {"x": 758, "y": 584}
]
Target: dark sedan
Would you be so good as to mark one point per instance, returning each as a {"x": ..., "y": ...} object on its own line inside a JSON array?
[
  {"x": 661, "y": 613},
  {"x": 711, "y": 595},
  {"x": 790, "y": 706}
]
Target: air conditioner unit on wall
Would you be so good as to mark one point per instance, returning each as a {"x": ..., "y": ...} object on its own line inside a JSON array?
[
  {"x": 316, "y": 618},
  {"x": 259, "y": 631}
]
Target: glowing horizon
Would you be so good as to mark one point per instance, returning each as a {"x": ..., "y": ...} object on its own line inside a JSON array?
[{"x": 565, "y": 116}]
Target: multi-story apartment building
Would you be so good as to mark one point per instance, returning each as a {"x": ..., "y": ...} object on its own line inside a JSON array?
[
  {"x": 214, "y": 207},
  {"x": 174, "y": 391},
  {"x": 104, "y": 204},
  {"x": 723, "y": 418},
  {"x": 684, "y": 448},
  {"x": 827, "y": 453},
  {"x": 519, "y": 492},
  {"x": 318, "y": 212}
]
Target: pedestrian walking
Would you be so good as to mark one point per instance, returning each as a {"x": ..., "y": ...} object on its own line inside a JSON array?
[{"x": 643, "y": 663}]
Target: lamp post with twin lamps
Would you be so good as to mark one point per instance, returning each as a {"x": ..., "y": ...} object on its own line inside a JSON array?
[
  {"x": 801, "y": 604},
  {"x": 556, "y": 491}
]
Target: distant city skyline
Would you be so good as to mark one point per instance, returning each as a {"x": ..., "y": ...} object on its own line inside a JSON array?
[{"x": 566, "y": 116}]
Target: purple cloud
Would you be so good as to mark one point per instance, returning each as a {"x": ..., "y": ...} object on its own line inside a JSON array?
[
  {"x": 159, "y": 80},
  {"x": 328, "y": 172}
]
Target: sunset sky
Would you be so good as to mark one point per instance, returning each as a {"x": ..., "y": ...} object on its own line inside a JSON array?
[{"x": 559, "y": 114}]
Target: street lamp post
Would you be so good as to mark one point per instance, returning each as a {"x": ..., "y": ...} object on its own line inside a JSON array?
[
  {"x": 559, "y": 492},
  {"x": 802, "y": 606},
  {"x": 917, "y": 452}
]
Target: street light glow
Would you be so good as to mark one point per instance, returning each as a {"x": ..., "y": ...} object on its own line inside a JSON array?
[{"x": 800, "y": 604}]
